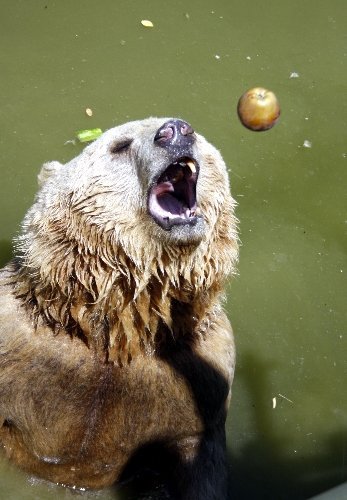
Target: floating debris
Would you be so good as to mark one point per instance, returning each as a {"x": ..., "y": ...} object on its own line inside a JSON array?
[
  {"x": 284, "y": 397},
  {"x": 307, "y": 144},
  {"x": 294, "y": 74},
  {"x": 146, "y": 23},
  {"x": 217, "y": 56},
  {"x": 89, "y": 112},
  {"x": 88, "y": 134},
  {"x": 274, "y": 400},
  {"x": 70, "y": 141}
]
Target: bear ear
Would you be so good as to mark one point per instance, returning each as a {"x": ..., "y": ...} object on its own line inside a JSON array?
[{"x": 47, "y": 170}]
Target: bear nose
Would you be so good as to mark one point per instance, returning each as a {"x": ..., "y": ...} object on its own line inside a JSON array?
[{"x": 174, "y": 132}]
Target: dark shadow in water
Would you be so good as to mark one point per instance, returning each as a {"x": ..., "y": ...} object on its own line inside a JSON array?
[
  {"x": 5, "y": 252},
  {"x": 262, "y": 470},
  {"x": 143, "y": 477}
]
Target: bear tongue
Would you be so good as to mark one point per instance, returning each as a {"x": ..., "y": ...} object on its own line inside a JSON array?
[
  {"x": 171, "y": 205},
  {"x": 168, "y": 209},
  {"x": 165, "y": 203}
]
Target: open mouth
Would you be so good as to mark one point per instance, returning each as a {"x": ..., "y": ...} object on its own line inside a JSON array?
[{"x": 172, "y": 199}]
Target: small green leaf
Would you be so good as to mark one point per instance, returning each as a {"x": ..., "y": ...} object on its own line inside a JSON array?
[{"x": 88, "y": 134}]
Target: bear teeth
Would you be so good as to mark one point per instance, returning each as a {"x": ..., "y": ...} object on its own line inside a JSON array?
[
  {"x": 192, "y": 166},
  {"x": 189, "y": 163}
]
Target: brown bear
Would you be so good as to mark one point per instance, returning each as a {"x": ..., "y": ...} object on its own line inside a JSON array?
[{"x": 113, "y": 340}]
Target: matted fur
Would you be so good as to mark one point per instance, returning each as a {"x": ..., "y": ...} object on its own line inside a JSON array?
[{"x": 91, "y": 264}]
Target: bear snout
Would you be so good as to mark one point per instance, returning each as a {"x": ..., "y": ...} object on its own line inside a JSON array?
[{"x": 175, "y": 133}]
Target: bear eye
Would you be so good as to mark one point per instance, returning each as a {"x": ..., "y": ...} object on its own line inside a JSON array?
[{"x": 122, "y": 146}]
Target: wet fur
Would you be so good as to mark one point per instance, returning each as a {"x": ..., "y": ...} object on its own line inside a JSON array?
[{"x": 112, "y": 334}]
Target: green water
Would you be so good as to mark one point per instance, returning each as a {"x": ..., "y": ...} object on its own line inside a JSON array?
[{"x": 288, "y": 304}]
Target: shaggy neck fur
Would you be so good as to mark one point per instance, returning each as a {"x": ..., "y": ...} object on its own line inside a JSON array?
[{"x": 117, "y": 296}]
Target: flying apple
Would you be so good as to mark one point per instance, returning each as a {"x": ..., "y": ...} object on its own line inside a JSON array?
[{"x": 258, "y": 109}]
